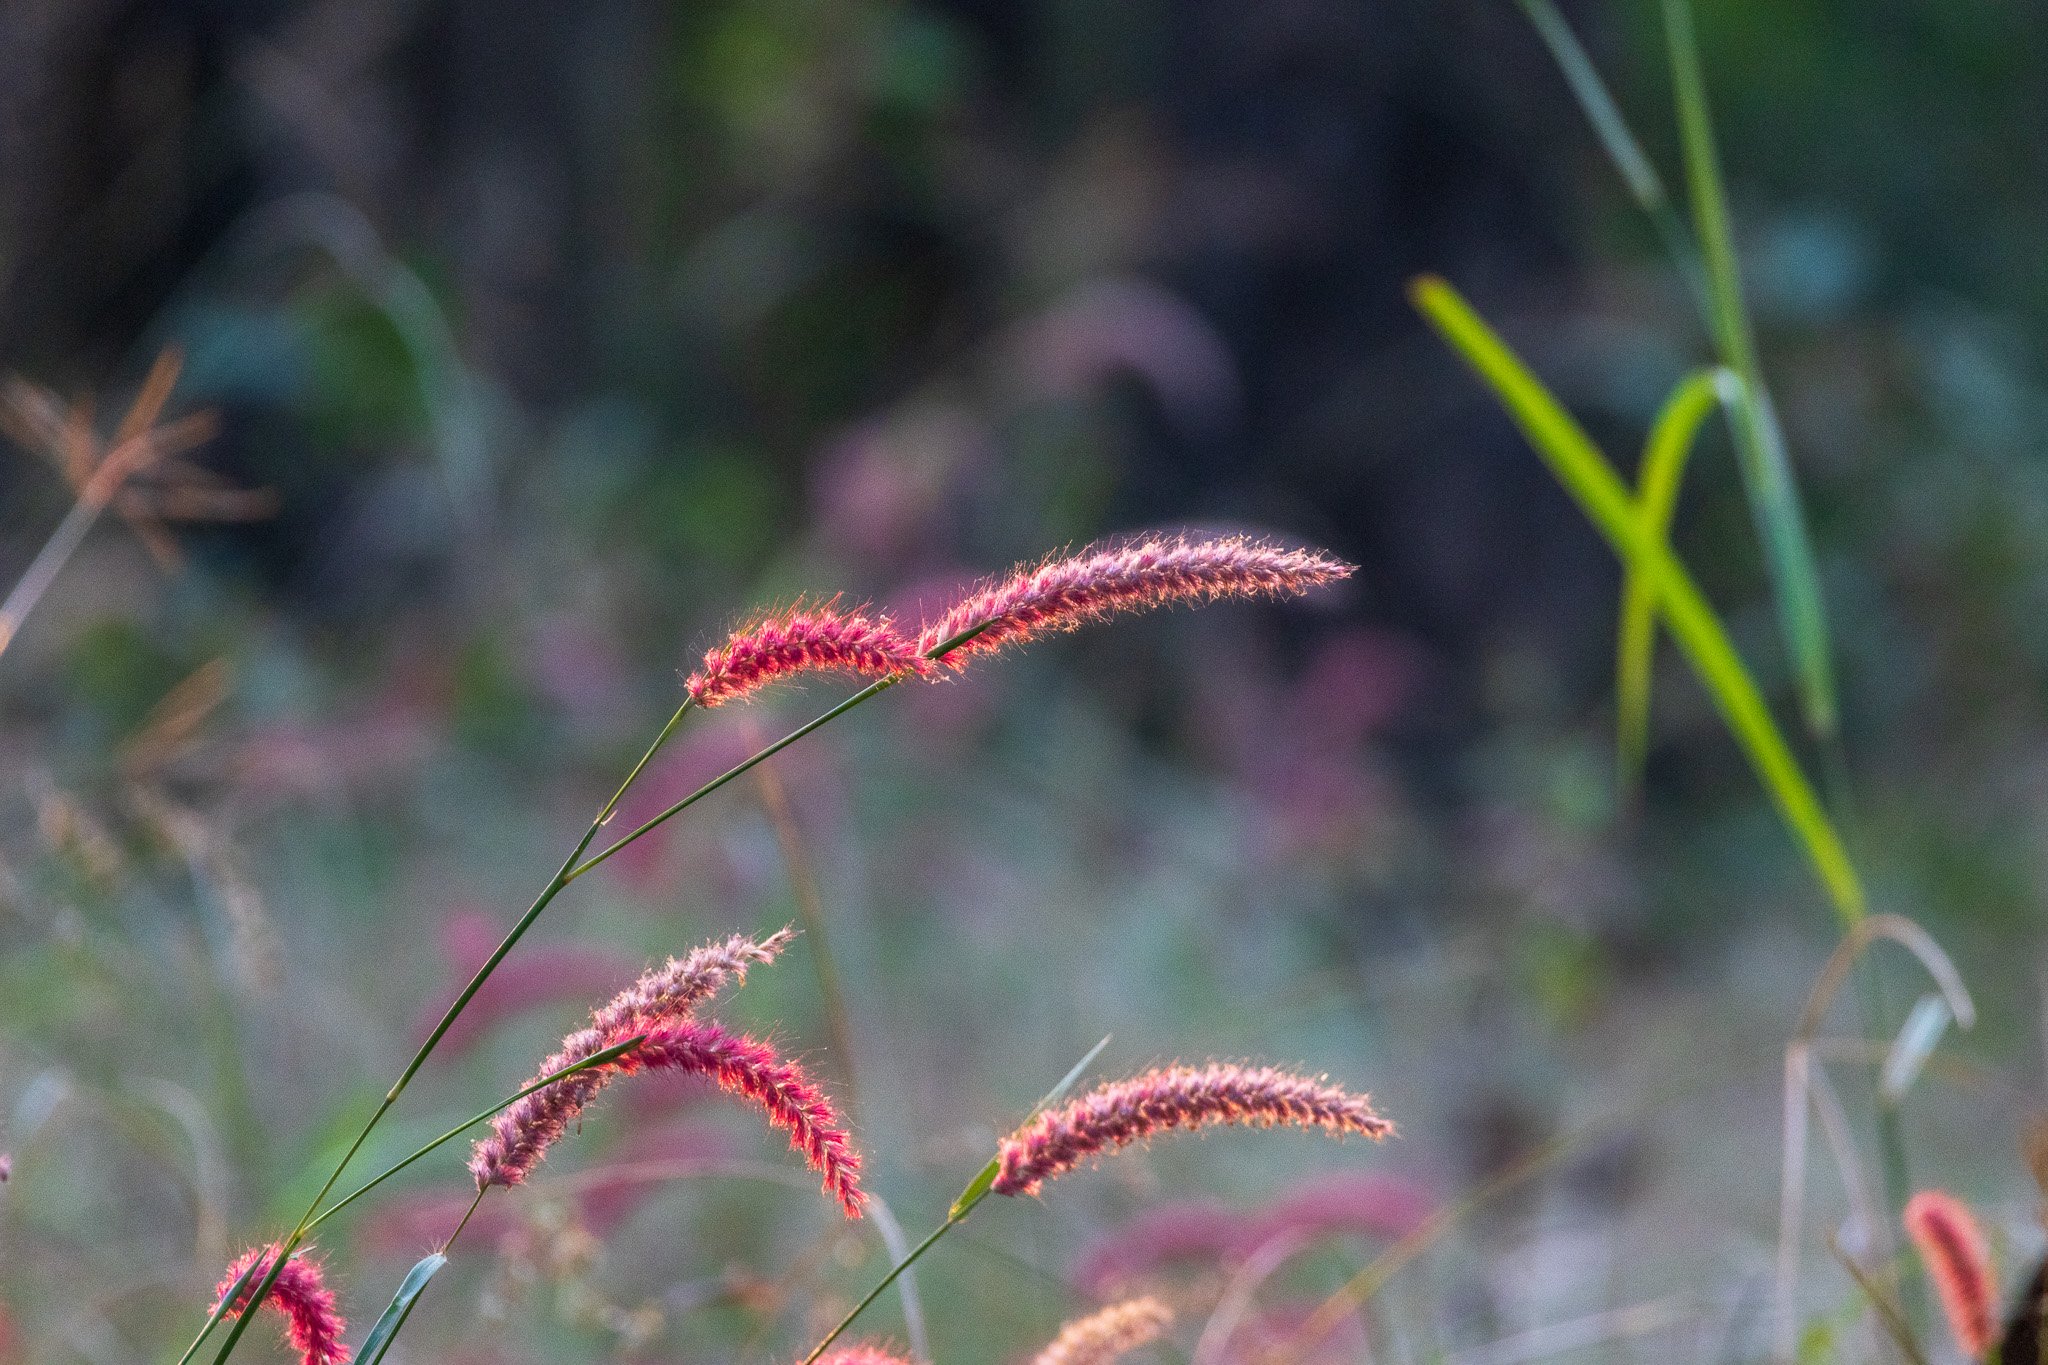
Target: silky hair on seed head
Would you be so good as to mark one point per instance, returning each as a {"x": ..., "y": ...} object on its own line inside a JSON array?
[
  {"x": 1132, "y": 573},
  {"x": 1115, "y": 1115},
  {"x": 779, "y": 644}
]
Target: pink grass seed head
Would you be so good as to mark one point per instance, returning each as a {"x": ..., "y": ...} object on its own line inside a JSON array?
[
  {"x": 521, "y": 1135},
  {"x": 1951, "y": 1246},
  {"x": 786, "y": 1095},
  {"x": 300, "y": 1295},
  {"x": 1108, "y": 1334},
  {"x": 1153, "y": 570},
  {"x": 801, "y": 639},
  {"x": 1120, "y": 1113}
]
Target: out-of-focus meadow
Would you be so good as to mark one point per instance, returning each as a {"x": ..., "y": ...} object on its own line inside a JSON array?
[{"x": 561, "y": 336}]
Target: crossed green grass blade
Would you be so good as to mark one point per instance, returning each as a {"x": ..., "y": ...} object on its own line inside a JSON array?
[
  {"x": 1663, "y": 470},
  {"x": 1592, "y": 482},
  {"x": 1759, "y": 440}
]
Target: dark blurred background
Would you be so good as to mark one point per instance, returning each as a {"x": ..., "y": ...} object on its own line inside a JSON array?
[{"x": 565, "y": 334}]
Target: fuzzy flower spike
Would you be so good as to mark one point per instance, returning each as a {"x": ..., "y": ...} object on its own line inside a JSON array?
[
  {"x": 862, "y": 1353},
  {"x": 1108, "y": 1334},
  {"x": 312, "y": 1324},
  {"x": 1951, "y": 1246},
  {"x": 803, "y": 638},
  {"x": 753, "y": 1070},
  {"x": 660, "y": 1008},
  {"x": 1067, "y": 592},
  {"x": 1124, "y": 1112}
]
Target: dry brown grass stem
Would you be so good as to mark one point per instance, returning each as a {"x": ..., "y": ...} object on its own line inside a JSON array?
[
  {"x": 1806, "y": 1086},
  {"x": 141, "y": 474},
  {"x": 1907, "y": 934}
]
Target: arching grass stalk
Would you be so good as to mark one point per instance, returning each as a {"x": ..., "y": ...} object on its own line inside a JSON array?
[
  {"x": 571, "y": 869},
  {"x": 610, "y": 1054},
  {"x": 1060, "y": 593},
  {"x": 455, "y": 1009},
  {"x": 1759, "y": 439},
  {"x": 976, "y": 1191},
  {"x": 1663, "y": 469}
]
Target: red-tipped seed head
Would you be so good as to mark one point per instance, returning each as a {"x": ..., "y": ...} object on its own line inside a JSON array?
[
  {"x": 299, "y": 1294},
  {"x": 1123, "y": 1112},
  {"x": 1951, "y": 1246},
  {"x": 1066, "y": 592}
]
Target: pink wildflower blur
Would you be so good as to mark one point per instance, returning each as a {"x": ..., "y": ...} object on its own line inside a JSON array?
[
  {"x": 1123, "y": 1112},
  {"x": 1951, "y": 1246},
  {"x": 1368, "y": 1204},
  {"x": 1065, "y": 593},
  {"x": 312, "y": 1324},
  {"x": 1184, "y": 1230},
  {"x": 801, "y": 639}
]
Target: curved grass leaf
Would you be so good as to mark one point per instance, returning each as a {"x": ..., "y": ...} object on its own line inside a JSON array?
[
  {"x": 386, "y": 1328},
  {"x": 1663, "y": 470},
  {"x": 1759, "y": 440},
  {"x": 1592, "y": 482},
  {"x": 1917, "y": 1038}
]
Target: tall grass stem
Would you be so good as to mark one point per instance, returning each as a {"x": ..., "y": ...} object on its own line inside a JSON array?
[{"x": 1759, "y": 439}]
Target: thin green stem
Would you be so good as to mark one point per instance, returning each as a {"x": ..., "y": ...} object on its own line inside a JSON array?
[
  {"x": 610, "y": 1054},
  {"x": 483, "y": 974},
  {"x": 1645, "y": 186},
  {"x": 44, "y": 568},
  {"x": 468, "y": 1214},
  {"x": 571, "y": 869},
  {"x": 1759, "y": 439},
  {"x": 953, "y": 1220},
  {"x": 562, "y": 878},
  {"x": 220, "y": 1310},
  {"x": 873, "y": 689}
]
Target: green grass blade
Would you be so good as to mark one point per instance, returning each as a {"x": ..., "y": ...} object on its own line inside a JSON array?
[
  {"x": 1592, "y": 482},
  {"x": 590, "y": 1063},
  {"x": 1663, "y": 471},
  {"x": 381, "y": 1336},
  {"x": 1926, "y": 1024},
  {"x": 1626, "y": 153},
  {"x": 986, "y": 1176},
  {"x": 1759, "y": 440}
]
